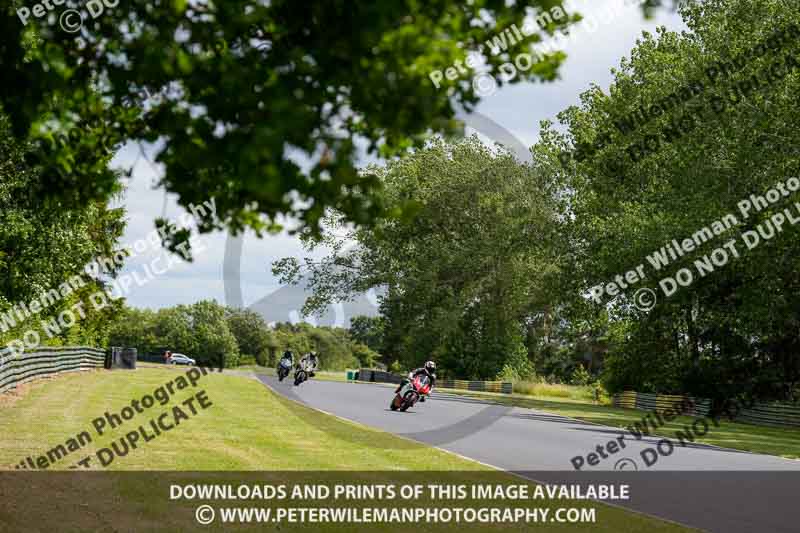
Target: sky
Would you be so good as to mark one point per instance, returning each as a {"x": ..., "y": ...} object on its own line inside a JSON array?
[{"x": 517, "y": 108}]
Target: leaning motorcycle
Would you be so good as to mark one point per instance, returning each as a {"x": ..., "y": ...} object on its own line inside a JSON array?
[
  {"x": 410, "y": 393},
  {"x": 284, "y": 367},
  {"x": 300, "y": 375}
]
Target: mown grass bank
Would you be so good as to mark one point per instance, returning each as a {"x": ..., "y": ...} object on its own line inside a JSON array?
[{"x": 246, "y": 427}]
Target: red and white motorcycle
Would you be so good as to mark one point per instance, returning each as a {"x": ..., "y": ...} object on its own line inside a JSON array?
[{"x": 410, "y": 393}]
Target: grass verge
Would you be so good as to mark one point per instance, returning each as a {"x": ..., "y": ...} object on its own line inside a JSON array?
[{"x": 247, "y": 427}]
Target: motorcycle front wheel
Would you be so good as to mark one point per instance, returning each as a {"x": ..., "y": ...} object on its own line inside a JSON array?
[{"x": 408, "y": 401}]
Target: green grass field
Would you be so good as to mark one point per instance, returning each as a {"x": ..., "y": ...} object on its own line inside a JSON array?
[{"x": 246, "y": 428}]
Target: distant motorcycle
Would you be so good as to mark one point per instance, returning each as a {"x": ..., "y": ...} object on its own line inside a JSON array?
[
  {"x": 410, "y": 393},
  {"x": 300, "y": 375},
  {"x": 284, "y": 367}
]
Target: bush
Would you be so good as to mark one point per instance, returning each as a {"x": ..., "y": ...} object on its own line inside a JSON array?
[
  {"x": 366, "y": 357},
  {"x": 247, "y": 360},
  {"x": 396, "y": 367},
  {"x": 581, "y": 377}
]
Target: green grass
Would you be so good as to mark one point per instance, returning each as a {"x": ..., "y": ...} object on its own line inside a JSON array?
[
  {"x": 247, "y": 427},
  {"x": 556, "y": 390}
]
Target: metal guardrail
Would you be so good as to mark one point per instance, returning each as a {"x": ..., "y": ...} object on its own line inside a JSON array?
[
  {"x": 16, "y": 369},
  {"x": 760, "y": 413},
  {"x": 379, "y": 376}
]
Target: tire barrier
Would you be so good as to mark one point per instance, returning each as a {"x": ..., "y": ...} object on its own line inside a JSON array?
[
  {"x": 16, "y": 369},
  {"x": 379, "y": 376},
  {"x": 771, "y": 414},
  {"x": 760, "y": 413},
  {"x": 126, "y": 359}
]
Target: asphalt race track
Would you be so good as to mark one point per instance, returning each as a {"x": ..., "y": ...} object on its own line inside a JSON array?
[{"x": 701, "y": 486}]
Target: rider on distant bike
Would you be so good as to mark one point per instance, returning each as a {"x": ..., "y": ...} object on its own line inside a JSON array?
[
  {"x": 309, "y": 363},
  {"x": 429, "y": 369},
  {"x": 289, "y": 357}
]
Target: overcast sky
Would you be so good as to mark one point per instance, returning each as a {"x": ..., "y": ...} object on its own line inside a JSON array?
[{"x": 518, "y": 108}]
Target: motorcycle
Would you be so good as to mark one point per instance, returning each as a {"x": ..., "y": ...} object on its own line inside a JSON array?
[
  {"x": 411, "y": 393},
  {"x": 284, "y": 368},
  {"x": 300, "y": 375}
]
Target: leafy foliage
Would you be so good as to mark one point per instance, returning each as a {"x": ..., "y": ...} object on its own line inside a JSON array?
[
  {"x": 737, "y": 328},
  {"x": 207, "y": 331},
  {"x": 234, "y": 91},
  {"x": 464, "y": 273},
  {"x": 44, "y": 243},
  {"x": 251, "y": 332},
  {"x": 368, "y": 331}
]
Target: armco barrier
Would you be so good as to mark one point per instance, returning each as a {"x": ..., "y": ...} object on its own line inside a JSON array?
[
  {"x": 506, "y": 387},
  {"x": 662, "y": 402},
  {"x": 762, "y": 414},
  {"x": 16, "y": 369},
  {"x": 379, "y": 376}
]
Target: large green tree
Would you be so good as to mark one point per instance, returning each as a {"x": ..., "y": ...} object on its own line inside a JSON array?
[
  {"x": 736, "y": 328},
  {"x": 465, "y": 272},
  {"x": 238, "y": 89},
  {"x": 44, "y": 244},
  {"x": 251, "y": 332}
]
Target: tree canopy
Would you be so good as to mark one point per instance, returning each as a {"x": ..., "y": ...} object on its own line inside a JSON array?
[
  {"x": 493, "y": 273},
  {"x": 464, "y": 272},
  {"x": 736, "y": 328},
  {"x": 238, "y": 94}
]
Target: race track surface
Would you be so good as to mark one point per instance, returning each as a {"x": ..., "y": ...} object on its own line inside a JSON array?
[
  {"x": 515, "y": 439},
  {"x": 701, "y": 486}
]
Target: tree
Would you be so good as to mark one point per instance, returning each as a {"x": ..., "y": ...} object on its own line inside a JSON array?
[
  {"x": 135, "y": 328},
  {"x": 735, "y": 328},
  {"x": 238, "y": 88},
  {"x": 215, "y": 342},
  {"x": 464, "y": 272},
  {"x": 251, "y": 332},
  {"x": 365, "y": 356},
  {"x": 368, "y": 331},
  {"x": 44, "y": 244}
]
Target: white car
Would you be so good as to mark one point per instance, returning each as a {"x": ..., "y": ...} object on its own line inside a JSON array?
[{"x": 180, "y": 359}]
